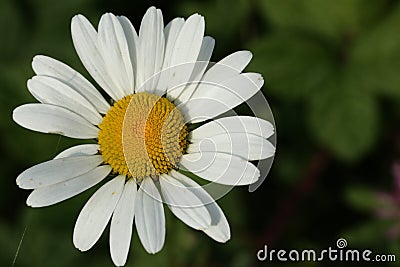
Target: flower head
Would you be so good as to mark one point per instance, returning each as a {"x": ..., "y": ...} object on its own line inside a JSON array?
[{"x": 160, "y": 82}]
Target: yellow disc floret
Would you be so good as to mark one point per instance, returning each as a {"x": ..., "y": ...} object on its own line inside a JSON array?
[{"x": 143, "y": 135}]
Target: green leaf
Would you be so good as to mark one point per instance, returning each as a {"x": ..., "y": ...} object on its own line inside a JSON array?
[
  {"x": 376, "y": 56},
  {"x": 332, "y": 19},
  {"x": 361, "y": 198},
  {"x": 292, "y": 65},
  {"x": 367, "y": 234},
  {"x": 344, "y": 118}
]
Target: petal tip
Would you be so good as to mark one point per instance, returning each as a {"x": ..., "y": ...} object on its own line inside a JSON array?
[{"x": 76, "y": 17}]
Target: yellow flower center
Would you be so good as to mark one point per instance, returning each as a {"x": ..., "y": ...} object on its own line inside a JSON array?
[{"x": 143, "y": 135}]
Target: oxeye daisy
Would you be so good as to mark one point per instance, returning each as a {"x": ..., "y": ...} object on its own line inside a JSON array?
[{"x": 163, "y": 120}]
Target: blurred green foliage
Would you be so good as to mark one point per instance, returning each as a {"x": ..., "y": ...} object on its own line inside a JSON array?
[
  {"x": 338, "y": 58},
  {"x": 332, "y": 71}
]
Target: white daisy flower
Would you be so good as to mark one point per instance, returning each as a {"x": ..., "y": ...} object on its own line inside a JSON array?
[{"x": 160, "y": 83}]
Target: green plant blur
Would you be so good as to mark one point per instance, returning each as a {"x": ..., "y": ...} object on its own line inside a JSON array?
[{"x": 332, "y": 72}]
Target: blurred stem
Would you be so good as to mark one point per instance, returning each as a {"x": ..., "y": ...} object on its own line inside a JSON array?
[{"x": 286, "y": 210}]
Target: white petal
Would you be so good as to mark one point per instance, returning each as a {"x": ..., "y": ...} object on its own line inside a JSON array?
[
  {"x": 84, "y": 37},
  {"x": 186, "y": 50},
  {"x": 47, "y": 66},
  {"x": 228, "y": 67},
  {"x": 219, "y": 98},
  {"x": 150, "y": 220},
  {"x": 151, "y": 47},
  {"x": 206, "y": 49},
  {"x": 132, "y": 40},
  {"x": 79, "y": 150},
  {"x": 201, "y": 65},
  {"x": 189, "y": 40},
  {"x": 184, "y": 203},
  {"x": 51, "y": 91},
  {"x": 247, "y": 146},
  {"x": 57, "y": 170},
  {"x": 221, "y": 168},
  {"x": 171, "y": 32},
  {"x": 114, "y": 49},
  {"x": 219, "y": 229},
  {"x": 56, "y": 120},
  {"x": 234, "y": 124},
  {"x": 52, "y": 194},
  {"x": 96, "y": 213},
  {"x": 238, "y": 60},
  {"x": 122, "y": 223}
]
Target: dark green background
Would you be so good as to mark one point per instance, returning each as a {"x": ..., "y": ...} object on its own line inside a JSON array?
[{"x": 332, "y": 72}]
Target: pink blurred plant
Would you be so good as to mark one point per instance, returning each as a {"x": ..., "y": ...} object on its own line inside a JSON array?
[{"x": 388, "y": 206}]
